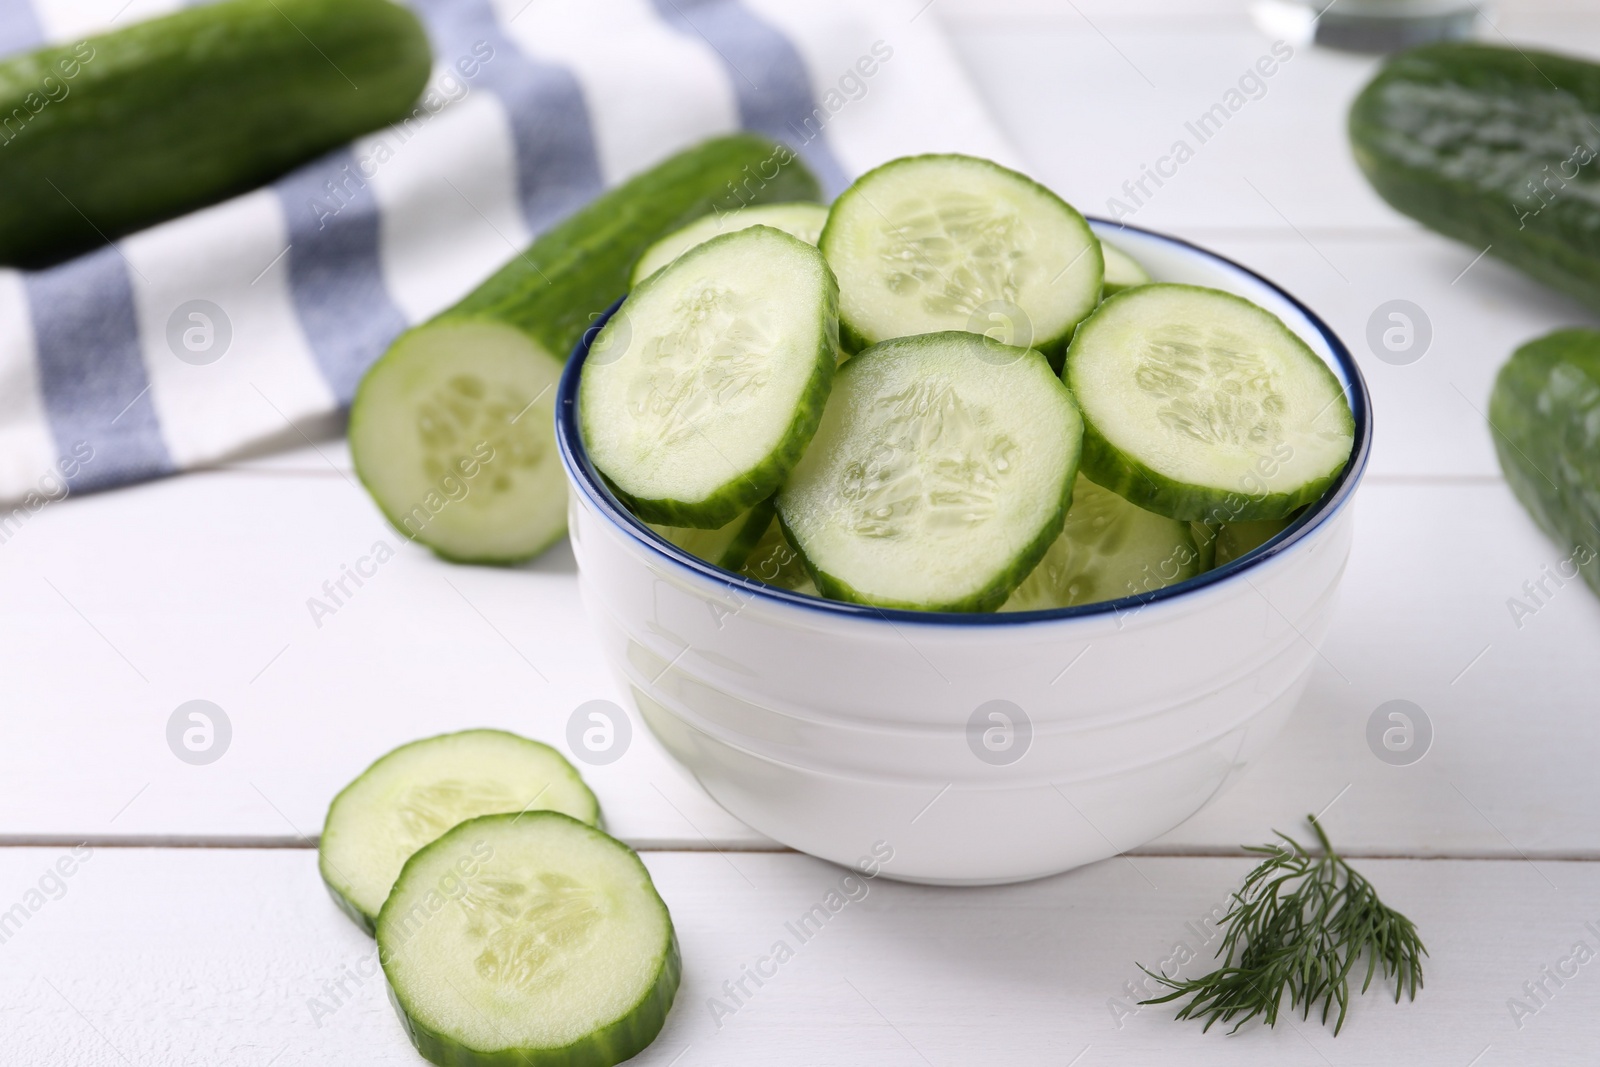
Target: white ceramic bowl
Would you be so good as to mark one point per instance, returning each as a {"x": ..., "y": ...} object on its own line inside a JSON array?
[{"x": 979, "y": 748}]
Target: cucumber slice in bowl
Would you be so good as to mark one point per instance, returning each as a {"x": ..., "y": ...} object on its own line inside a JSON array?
[
  {"x": 946, "y": 242},
  {"x": 727, "y": 546},
  {"x": 418, "y": 791},
  {"x": 1205, "y": 539},
  {"x": 528, "y": 939},
  {"x": 701, "y": 392},
  {"x": 1122, "y": 270},
  {"x": 453, "y": 434},
  {"x": 940, "y": 475},
  {"x": 1108, "y": 548},
  {"x": 774, "y": 561},
  {"x": 1235, "y": 539},
  {"x": 1199, "y": 405},
  {"x": 800, "y": 220}
]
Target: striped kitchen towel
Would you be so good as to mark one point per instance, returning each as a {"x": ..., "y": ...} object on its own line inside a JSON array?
[{"x": 246, "y": 324}]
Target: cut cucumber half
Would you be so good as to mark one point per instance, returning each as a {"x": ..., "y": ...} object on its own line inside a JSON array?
[
  {"x": 800, "y": 220},
  {"x": 1108, "y": 548},
  {"x": 1122, "y": 270},
  {"x": 939, "y": 476},
  {"x": 946, "y": 242},
  {"x": 700, "y": 394},
  {"x": 464, "y": 380},
  {"x": 774, "y": 561},
  {"x": 417, "y": 792},
  {"x": 528, "y": 939},
  {"x": 453, "y": 434},
  {"x": 727, "y": 546},
  {"x": 1197, "y": 404},
  {"x": 1237, "y": 538}
]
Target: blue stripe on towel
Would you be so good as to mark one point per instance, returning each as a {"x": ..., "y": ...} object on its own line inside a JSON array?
[
  {"x": 90, "y": 372},
  {"x": 335, "y": 273},
  {"x": 19, "y": 27},
  {"x": 558, "y": 170},
  {"x": 335, "y": 277},
  {"x": 769, "y": 79}
]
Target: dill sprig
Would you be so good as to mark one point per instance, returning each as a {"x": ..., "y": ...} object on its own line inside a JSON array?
[{"x": 1299, "y": 923}]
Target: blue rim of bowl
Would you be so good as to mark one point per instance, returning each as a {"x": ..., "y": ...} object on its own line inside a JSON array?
[{"x": 589, "y": 482}]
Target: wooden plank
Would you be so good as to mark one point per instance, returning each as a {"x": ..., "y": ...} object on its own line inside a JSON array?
[
  {"x": 202, "y": 582},
  {"x": 118, "y": 607},
  {"x": 1425, "y": 617},
  {"x": 238, "y": 957},
  {"x": 1091, "y": 108},
  {"x": 958, "y": 14},
  {"x": 1091, "y": 101}
]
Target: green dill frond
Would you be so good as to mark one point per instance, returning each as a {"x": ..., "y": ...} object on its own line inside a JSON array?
[{"x": 1301, "y": 924}]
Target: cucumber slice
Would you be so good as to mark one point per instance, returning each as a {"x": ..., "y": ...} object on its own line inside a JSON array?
[
  {"x": 775, "y": 561},
  {"x": 727, "y": 546},
  {"x": 1199, "y": 404},
  {"x": 453, "y": 434},
  {"x": 1237, "y": 538},
  {"x": 1205, "y": 539},
  {"x": 700, "y": 394},
  {"x": 1221, "y": 542},
  {"x": 528, "y": 939},
  {"x": 930, "y": 243},
  {"x": 1108, "y": 548},
  {"x": 800, "y": 220},
  {"x": 940, "y": 475},
  {"x": 415, "y": 793},
  {"x": 1122, "y": 270}
]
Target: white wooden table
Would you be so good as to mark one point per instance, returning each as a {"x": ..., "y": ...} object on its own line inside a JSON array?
[{"x": 196, "y": 930}]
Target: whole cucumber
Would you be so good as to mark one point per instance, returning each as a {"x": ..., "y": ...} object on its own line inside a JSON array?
[
  {"x": 1545, "y": 416},
  {"x": 1495, "y": 147},
  {"x": 114, "y": 133}
]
